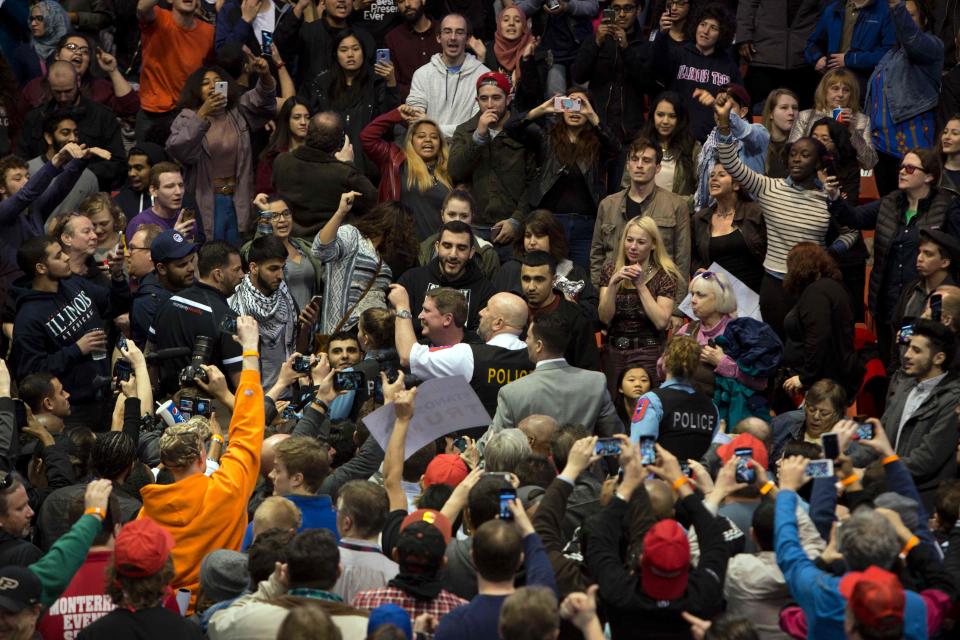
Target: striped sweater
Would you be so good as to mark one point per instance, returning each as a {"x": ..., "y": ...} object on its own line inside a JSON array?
[
  {"x": 792, "y": 214},
  {"x": 349, "y": 263}
]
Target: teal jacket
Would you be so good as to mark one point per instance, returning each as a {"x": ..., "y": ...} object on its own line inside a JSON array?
[{"x": 58, "y": 566}]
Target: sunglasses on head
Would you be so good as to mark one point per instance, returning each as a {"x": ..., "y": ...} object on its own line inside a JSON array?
[
  {"x": 7, "y": 481},
  {"x": 710, "y": 275},
  {"x": 910, "y": 169}
]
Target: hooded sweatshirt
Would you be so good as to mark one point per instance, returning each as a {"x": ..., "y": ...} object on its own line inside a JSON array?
[
  {"x": 206, "y": 513},
  {"x": 146, "y": 300},
  {"x": 472, "y": 283},
  {"x": 48, "y": 325},
  {"x": 446, "y": 96}
]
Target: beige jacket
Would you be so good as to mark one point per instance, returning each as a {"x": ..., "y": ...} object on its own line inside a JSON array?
[{"x": 668, "y": 210}]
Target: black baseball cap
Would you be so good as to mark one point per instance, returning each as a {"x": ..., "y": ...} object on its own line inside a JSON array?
[
  {"x": 19, "y": 589},
  {"x": 420, "y": 548},
  {"x": 170, "y": 245}
]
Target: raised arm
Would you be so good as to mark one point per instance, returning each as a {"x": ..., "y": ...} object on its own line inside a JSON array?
[
  {"x": 145, "y": 12},
  {"x": 403, "y": 404},
  {"x": 404, "y": 335}
]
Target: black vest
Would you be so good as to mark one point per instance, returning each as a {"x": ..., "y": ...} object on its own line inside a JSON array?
[
  {"x": 494, "y": 367},
  {"x": 688, "y": 423}
]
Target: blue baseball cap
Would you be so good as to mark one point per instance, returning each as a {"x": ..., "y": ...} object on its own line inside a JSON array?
[
  {"x": 390, "y": 614},
  {"x": 170, "y": 245}
]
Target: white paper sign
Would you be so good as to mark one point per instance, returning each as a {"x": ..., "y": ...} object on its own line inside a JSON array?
[
  {"x": 443, "y": 405},
  {"x": 748, "y": 300}
]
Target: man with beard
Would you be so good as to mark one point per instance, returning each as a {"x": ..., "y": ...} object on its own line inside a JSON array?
[
  {"x": 200, "y": 310},
  {"x": 919, "y": 418},
  {"x": 60, "y": 129},
  {"x": 135, "y": 197},
  {"x": 166, "y": 191},
  {"x": 441, "y": 87},
  {"x": 59, "y": 326},
  {"x": 536, "y": 282},
  {"x": 96, "y": 125},
  {"x": 487, "y": 367},
  {"x": 454, "y": 268},
  {"x": 496, "y": 167},
  {"x": 170, "y": 257},
  {"x": 264, "y": 295},
  {"x": 411, "y": 43}
]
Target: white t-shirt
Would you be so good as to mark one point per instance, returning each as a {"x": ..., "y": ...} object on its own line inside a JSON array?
[{"x": 264, "y": 21}]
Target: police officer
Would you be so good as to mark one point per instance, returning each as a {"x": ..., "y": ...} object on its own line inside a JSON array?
[
  {"x": 499, "y": 361},
  {"x": 683, "y": 420},
  {"x": 199, "y": 310}
]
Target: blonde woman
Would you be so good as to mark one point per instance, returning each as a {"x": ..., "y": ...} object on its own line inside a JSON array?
[
  {"x": 636, "y": 300},
  {"x": 108, "y": 223},
  {"x": 415, "y": 174},
  {"x": 839, "y": 89}
]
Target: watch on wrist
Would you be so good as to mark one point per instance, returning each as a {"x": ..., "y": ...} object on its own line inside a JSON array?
[{"x": 404, "y": 314}]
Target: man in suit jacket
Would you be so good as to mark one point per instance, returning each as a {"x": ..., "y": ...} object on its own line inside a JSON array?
[{"x": 565, "y": 393}]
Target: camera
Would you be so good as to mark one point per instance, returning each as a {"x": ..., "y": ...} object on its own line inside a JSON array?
[{"x": 189, "y": 375}]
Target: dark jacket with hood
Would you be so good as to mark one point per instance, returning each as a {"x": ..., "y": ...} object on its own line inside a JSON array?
[
  {"x": 471, "y": 283},
  {"x": 311, "y": 44},
  {"x": 311, "y": 182},
  {"x": 146, "y": 300},
  {"x": 683, "y": 69},
  {"x": 618, "y": 80},
  {"x": 48, "y": 325},
  {"x": 373, "y": 99}
]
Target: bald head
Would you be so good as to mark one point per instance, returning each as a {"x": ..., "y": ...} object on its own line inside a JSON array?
[
  {"x": 661, "y": 498},
  {"x": 755, "y": 427},
  {"x": 64, "y": 82},
  {"x": 512, "y": 309},
  {"x": 950, "y": 308},
  {"x": 539, "y": 430},
  {"x": 267, "y": 454},
  {"x": 325, "y": 132}
]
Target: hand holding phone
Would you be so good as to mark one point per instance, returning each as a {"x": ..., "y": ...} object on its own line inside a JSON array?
[
  {"x": 348, "y": 381},
  {"x": 745, "y": 472},
  {"x": 506, "y": 497},
  {"x": 607, "y": 447},
  {"x": 648, "y": 450}
]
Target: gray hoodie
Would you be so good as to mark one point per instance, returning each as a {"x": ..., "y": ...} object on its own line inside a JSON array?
[{"x": 446, "y": 97}]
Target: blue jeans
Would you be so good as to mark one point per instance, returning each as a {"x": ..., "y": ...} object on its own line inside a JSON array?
[
  {"x": 579, "y": 232},
  {"x": 225, "y": 220}
]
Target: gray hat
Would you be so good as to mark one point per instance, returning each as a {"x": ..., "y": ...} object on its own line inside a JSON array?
[
  {"x": 224, "y": 575},
  {"x": 905, "y": 507}
]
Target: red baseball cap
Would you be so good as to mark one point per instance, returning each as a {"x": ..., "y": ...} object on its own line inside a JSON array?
[
  {"x": 497, "y": 78},
  {"x": 875, "y": 596},
  {"x": 431, "y": 516},
  {"x": 745, "y": 441},
  {"x": 141, "y": 548},
  {"x": 446, "y": 468},
  {"x": 665, "y": 563}
]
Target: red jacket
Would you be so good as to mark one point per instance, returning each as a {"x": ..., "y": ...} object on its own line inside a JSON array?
[{"x": 388, "y": 156}]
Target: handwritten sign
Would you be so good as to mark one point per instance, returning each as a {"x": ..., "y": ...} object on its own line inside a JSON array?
[{"x": 443, "y": 405}]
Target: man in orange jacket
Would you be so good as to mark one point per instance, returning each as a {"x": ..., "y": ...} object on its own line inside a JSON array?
[{"x": 208, "y": 513}]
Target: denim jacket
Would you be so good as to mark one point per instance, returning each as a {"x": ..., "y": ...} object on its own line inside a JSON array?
[{"x": 911, "y": 69}]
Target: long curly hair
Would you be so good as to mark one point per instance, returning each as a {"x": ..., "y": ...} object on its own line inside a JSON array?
[
  {"x": 393, "y": 223},
  {"x": 806, "y": 263},
  {"x": 191, "y": 96},
  {"x": 681, "y": 358}
]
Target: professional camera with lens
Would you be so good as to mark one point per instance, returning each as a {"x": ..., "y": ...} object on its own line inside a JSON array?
[{"x": 189, "y": 375}]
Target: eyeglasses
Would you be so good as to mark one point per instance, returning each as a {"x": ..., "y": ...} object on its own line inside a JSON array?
[
  {"x": 282, "y": 214},
  {"x": 909, "y": 169},
  {"x": 677, "y": 3},
  {"x": 37, "y": 18},
  {"x": 623, "y": 8},
  {"x": 73, "y": 46},
  {"x": 819, "y": 413},
  {"x": 133, "y": 248},
  {"x": 710, "y": 275}
]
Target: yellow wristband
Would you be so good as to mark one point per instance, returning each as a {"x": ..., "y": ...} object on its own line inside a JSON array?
[
  {"x": 910, "y": 544},
  {"x": 891, "y": 458},
  {"x": 255, "y": 354},
  {"x": 767, "y": 488},
  {"x": 679, "y": 482},
  {"x": 95, "y": 511},
  {"x": 217, "y": 438},
  {"x": 849, "y": 480}
]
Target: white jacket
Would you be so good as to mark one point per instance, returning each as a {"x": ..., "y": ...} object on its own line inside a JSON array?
[{"x": 449, "y": 98}]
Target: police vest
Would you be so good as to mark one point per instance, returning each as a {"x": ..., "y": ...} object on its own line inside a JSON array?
[
  {"x": 494, "y": 367},
  {"x": 688, "y": 423}
]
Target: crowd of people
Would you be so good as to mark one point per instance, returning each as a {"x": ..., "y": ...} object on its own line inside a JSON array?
[{"x": 696, "y": 260}]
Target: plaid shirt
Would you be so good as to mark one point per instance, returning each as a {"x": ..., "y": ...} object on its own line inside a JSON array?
[{"x": 442, "y": 604}]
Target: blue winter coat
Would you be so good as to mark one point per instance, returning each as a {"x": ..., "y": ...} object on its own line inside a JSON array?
[{"x": 873, "y": 35}]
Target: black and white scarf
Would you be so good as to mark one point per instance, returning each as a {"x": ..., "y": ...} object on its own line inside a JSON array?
[{"x": 273, "y": 313}]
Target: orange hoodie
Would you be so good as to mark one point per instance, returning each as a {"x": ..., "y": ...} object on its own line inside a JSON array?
[{"x": 208, "y": 513}]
